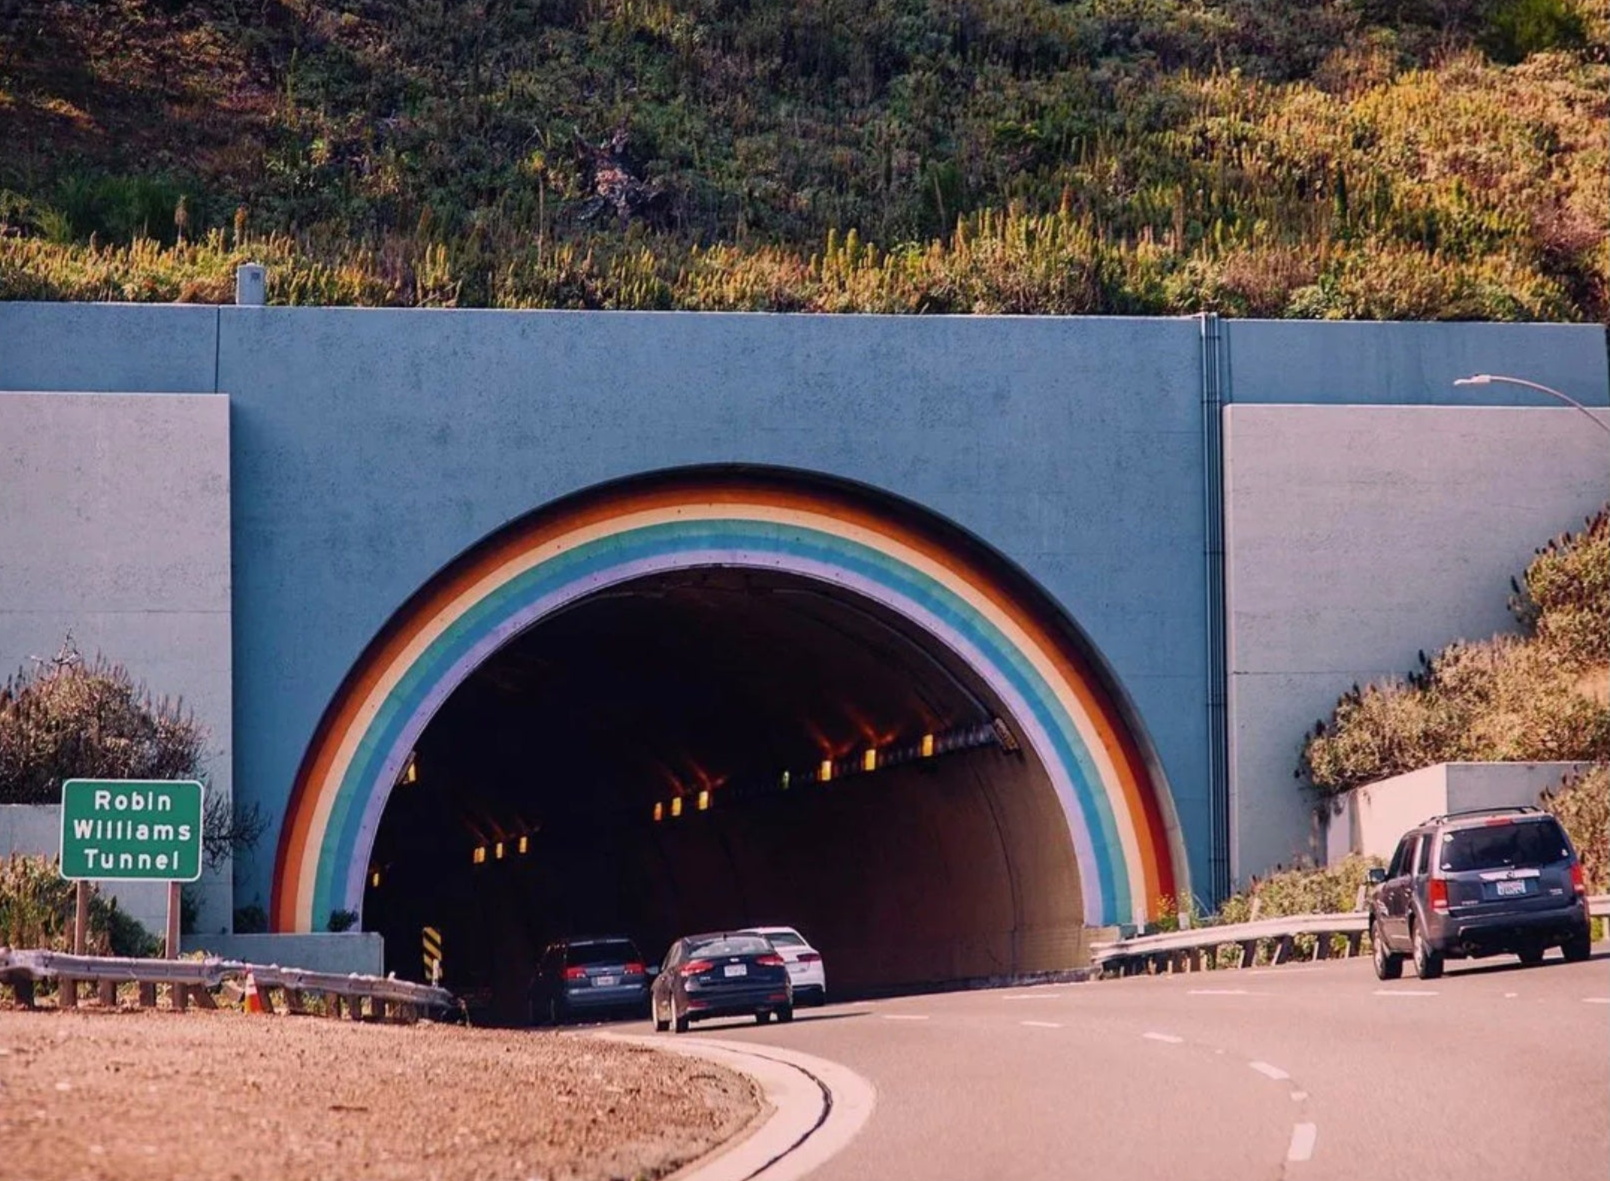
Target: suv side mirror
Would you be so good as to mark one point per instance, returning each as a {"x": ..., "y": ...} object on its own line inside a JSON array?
[{"x": 1376, "y": 876}]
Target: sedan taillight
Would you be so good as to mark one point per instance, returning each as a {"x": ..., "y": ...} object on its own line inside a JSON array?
[
  {"x": 809, "y": 957},
  {"x": 771, "y": 959},
  {"x": 634, "y": 969},
  {"x": 575, "y": 973},
  {"x": 694, "y": 967}
]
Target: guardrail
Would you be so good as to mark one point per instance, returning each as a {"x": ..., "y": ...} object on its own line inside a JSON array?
[
  {"x": 191, "y": 981},
  {"x": 1177, "y": 951}
]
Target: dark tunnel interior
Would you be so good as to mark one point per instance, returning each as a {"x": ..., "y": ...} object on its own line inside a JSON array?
[{"x": 558, "y": 792}]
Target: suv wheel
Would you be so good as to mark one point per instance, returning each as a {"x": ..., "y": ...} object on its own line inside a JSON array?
[
  {"x": 1579, "y": 946},
  {"x": 1427, "y": 963},
  {"x": 1387, "y": 965}
]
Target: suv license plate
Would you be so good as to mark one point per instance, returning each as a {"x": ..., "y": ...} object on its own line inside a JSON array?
[
  {"x": 1508, "y": 889},
  {"x": 737, "y": 969}
]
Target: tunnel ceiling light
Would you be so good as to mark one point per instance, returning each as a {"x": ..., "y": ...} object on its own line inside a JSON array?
[
  {"x": 479, "y": 857},
  {"x": 826, "y": 772},
  {"x": 869, "y": 761},
  {"x": 525, "y": 844},
  {"x": 410, "y": 771},
  {"x": 704, "y": 800},
  {"x": 676, "y": 805},
  {"x": 498, "y": 850},
  {"x": 374, "y": 879},
  {"x": 659, "y": 811},
  {"x": 927, "y": 746},
  {"x": 784, "y": 781}
]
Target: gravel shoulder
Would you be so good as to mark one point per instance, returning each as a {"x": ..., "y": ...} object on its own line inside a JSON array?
[{"x": 157, "y": 1095}]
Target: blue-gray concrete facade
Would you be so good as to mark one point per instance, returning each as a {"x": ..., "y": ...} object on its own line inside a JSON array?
[{"x": 367, "y": 448}]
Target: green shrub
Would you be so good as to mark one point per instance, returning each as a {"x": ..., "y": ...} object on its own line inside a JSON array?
[
  {"x": 1582, "y": 803},
  {"x": 37, "y": 909}
]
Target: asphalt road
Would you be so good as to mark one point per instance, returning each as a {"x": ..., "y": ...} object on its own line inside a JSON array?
[{"x": 1303, "y": 1072}]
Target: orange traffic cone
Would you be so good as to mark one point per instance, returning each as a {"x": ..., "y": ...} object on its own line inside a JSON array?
[{"x": 254, "y": 1002}]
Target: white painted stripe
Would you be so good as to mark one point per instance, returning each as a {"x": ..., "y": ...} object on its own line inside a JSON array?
[
  {"x": 1043, "y": 1024},
  {"x": 1219, "y": 992},
  {"x": 1039, "y": 996},
  {"x": 1510, "y": 994},
  {"x": 1271, "y": 1071},
  {"x": 1298, "y": 1096},
  {"x": 904, "y": 1016},
  {"x": 1164, "y": 1037},
  {"x": 1302, "y": 1142},
  {"x": 1405, "y": 992},
  {"x": 1596, "y": 1000}
]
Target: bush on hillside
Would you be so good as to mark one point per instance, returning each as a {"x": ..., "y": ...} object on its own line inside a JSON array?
[
  {"x": 1582, "y": 803},
  {"x": 1511, "y": 698}
]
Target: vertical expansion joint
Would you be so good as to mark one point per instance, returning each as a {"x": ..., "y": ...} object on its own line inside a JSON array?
[{"x": 1214, "y": 399}]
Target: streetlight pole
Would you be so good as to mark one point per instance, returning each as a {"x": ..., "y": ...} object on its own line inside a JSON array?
[{"x": 1489, "y": 378}]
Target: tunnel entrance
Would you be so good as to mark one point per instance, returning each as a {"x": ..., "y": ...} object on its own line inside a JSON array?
[
  {"x": 727, "y": 695},
  {"x": 722, "y": 747}
]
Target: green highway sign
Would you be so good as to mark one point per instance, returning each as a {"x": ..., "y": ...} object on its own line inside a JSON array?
[{"x": 121, "y": 830}]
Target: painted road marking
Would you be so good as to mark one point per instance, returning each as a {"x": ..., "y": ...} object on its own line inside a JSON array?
[
  {"x": 1510, "y": 994},
  {"x": 1596, "y": 1000},
  {"x": 1163, "y": 1037},
  {"x": 905, "y": 1016},
  {"x": 1220, "y": 992},
  {"x": 1032, "y": 996},
  {"x": 1405, "y": 992},
  {"x": 1302, "y": 1142},
  {"x": 1298, "y": 1096},
  {"x": 1271, "y": 1071},
  {"x": 1043, "y": 1024}
]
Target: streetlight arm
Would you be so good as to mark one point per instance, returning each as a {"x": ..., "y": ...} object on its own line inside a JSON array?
[{"x": 1489, "y": 378}]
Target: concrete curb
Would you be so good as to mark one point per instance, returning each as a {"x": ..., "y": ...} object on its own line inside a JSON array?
[{"x": 814, "y": 1108}]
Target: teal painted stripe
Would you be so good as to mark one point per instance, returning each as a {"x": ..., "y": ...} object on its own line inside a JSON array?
[{"x": 783, "y": 541}]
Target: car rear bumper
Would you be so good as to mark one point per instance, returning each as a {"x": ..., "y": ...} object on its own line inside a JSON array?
[
  {"x": 1495, "y": 934},
  {"x": 624, "y": 996},
  {"x": 732, "y": 1002}
]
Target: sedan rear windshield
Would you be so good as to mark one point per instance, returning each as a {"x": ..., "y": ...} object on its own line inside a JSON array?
[
  {"x": 734, "y": 945},
  {"x": 1503, "y": 846},
  {"x": 614, "y": 951},
  {"x": 784, "y": 939}
]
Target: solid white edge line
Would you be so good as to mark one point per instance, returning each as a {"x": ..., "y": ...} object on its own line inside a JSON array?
[
  {"x": 1302, "y": 1142},
  {"x": 1596, "y": 1000},
  {"x": 904, "y": 1016},
  {"x": 1043, "y": 1024},
  {"x": 799, "y": 1128},
  {"x": 1268, "y": 1071},
  {"x": 1163, "y": 1037}
]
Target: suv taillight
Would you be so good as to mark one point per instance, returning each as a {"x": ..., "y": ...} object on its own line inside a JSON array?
[
  {"x": 1437, "y": 894},
  {"x": 1577, "y": 883}
]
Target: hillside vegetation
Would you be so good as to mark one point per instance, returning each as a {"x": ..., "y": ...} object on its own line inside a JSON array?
[
  {"x": 1346, "y": 158},
  {"x": 1541, "y": 695}
]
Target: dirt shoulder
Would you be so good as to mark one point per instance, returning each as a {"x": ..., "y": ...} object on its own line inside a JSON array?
[{"x": 173, "y": 1096}]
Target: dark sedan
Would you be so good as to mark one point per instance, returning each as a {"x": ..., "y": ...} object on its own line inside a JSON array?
[{"x": 721, "y": 974}]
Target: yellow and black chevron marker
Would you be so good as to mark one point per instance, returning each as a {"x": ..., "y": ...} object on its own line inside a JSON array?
[{"x": 433, "y": 954}]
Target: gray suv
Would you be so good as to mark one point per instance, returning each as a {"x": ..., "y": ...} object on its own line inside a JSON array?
[{"x": 1476, "y": 884}]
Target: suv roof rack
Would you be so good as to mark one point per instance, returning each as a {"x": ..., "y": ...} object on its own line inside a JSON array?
[{"x": 1462, "y": 813}]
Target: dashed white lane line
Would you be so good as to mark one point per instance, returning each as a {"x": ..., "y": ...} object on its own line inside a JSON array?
[
  {"x": 1298, "y": 1096},
  {"x": 1405, "y": 992},
  {"x": 1302, "y": 1142},
  {"x": 1163, "y": 1037},
  {"x": 1043, "y": 1024},
  {"x": 1507, "y": 995},
  {"x": 904, "y": 1016},
  {"x": 1596, "y": 1000},
  {"x": 1268, "y": 1071}
]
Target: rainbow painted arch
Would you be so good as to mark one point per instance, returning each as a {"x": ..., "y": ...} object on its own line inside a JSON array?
[{"x": 1121, "y": 820}]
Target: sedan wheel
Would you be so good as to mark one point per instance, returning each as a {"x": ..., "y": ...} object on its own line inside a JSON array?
[
  {"x": 660, "y": 1024},
  {"x": 679, "y": 1020}
]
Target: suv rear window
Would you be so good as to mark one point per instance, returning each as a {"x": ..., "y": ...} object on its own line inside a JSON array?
[
  {"x": 1503, "y": 846},
  {"x": 613, "y": 951}
]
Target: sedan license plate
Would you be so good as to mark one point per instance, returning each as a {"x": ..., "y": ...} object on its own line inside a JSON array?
[
  {"x": 1510, "y": 889},
  {"x": 736, "y": 970},
  {"x": 605, "y": 981}
]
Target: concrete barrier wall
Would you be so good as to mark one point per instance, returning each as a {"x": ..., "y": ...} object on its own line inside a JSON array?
[
  {"x": 1371, "y": 819},
  {"x": 115, "y": 527},
  {"x": 1358, "y": 536}
]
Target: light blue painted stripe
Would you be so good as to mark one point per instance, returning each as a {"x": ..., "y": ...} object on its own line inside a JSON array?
[{"x": 787, "y": 541}]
